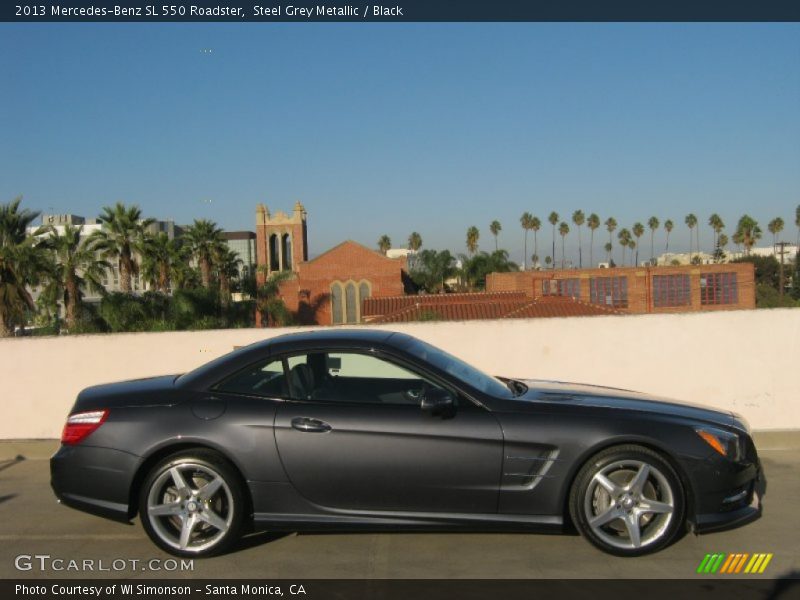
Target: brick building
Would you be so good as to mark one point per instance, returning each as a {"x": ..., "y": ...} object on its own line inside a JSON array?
[
  {"x": 640, "y": 289},
  {"x": 329, "y": 289}
]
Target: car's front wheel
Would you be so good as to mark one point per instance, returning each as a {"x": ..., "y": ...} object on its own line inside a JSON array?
[
  {"x": 627, "y": 500},
  {"x": 191, "y": 504}
]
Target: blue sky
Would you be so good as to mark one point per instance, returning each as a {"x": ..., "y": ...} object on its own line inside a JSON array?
[{"x": 389, "y": 128}]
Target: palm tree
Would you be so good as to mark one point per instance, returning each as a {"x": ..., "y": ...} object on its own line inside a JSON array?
[
  {"x": 74, "y": 267},
  {"x": 653, "y": 224},
  {"x": 563, "y": 230},
  {"x": 638, "y": 231},
  {"x": 384, "y": 244},
  {"x": 624, "y": 237},
  {"x": 719, "y": 252},
  {"x": 473, "y": 235},
  {"x": 181, "y": 273},
  {"x": 226, "y": 264},
  {"x": 738, "y": 239},
  {"x": 121, "y": 239},
  {"x": 536, "y": 225},
  {"x": 717, "y": 225},
  {"x": 579, "y": 219},
  {"x": 474, "y": 269},
  {"x": 797, "y": 224},
  {"x": 553, "y": 218},
  {"x": 526, "y": 220},
  {"x": 775, "y": 227},
  {"x": 21, "y": 264},
  {"x": 611, "y": 225},
  {"x": 691, "y": 221},
  {"x": 668, "y": 227},
  {"x": 414, "y": 241},
  {"x": 593, "y": 223},
  {"x": 160, "y": 253},
  {"x": 269, "y": 303},
  {"x": 495, "y": 228},
  {"x": 749, "y": 232},
  {"x": 432, "y": 269},
  {"x": 203, "y": 235},
  {"x": 608, "y": 248}
]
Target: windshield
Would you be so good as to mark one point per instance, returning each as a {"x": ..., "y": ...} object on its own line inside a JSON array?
[{"x": 458, "y": 369}]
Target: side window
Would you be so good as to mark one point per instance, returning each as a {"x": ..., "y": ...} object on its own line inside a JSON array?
[
  {"x": 262, "y": 379},
  {"x": 354, "y": 377}
]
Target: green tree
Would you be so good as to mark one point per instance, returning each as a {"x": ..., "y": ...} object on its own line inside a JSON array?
[
  {"x": 668, "y": 227},
  {"x": 797, "y": 224},
  {"x": 775, "y": 226},
  {"x": 384, "y": 244},
  {"x": 274, "y": 312},
  {"x": 121, "y": 239},
  {"x": 691, "y": 223},
  {"x": 749, "y": 232},
  {"x": 432, "y": 268},
  {"x": 495, "y": 227},
  {"x": 795, "y": 293},
  {"x": 652, "y": 224},
  {"x": 553, "y": 219},
  {"x": 717, "y": 225},
  {"x": 159, "y": 255},
  {"x": 608, "y": 248},
  {"x": 593, "y": 222},
  {"x": 526, "y": 220},
  {"x": 202, "y": 237},
  {"x": 21, "y": 264},
  {"x": 473, "y": 235},
  {"x": 226, "y": 264},
  {"x": 474, "y": 269},
  {"x": 624, "y": 237},
  {"x": 719, "y": 250},
  {"x": 563, "y": 230},
  {"x": 414, "y": 241},
  {"x": 611, "y": 225},
  {"x": 638, "y": 232},
  {"x": 579, "y": 219},
  {"x": 74, "y": 267}
]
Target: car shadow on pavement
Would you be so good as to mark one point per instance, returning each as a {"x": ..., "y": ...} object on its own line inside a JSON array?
[
  {"x": 5, "y": 464},
  {"x": 7, "y": 497},
  {"x": 786, "y": 586},
  {"x": 257, "y": 539}
]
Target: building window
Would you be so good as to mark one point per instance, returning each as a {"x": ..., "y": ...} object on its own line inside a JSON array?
[
  {"x": 287, "y": 252},
  {"x": 718, "y": 288},
  {"x": 274, "y": 256},
  {"x": 336, "y": 303},
  {"x": 351, "y": 297},
  {"x": 364, "y": 292},
  {"x": 562, "y": 287},
  {"x": 671, "y": 290},
  {"x": 609, "y": 291}
]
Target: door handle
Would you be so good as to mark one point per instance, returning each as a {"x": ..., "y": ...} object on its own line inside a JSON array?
[{"x": 308, "y": 425}]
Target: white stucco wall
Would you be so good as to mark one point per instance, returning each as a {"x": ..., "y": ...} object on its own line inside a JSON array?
[{"x": 746, "y": 361}]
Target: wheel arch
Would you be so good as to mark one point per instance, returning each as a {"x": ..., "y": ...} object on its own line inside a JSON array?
[
  {"x": 645, "y": 442},
  {"x": 161, "y": 452}
]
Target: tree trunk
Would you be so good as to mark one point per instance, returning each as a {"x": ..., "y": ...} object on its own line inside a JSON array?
[
  {"x": 5, "y": 330},
  {"x": 224, "y": 290},
  {"x": 205, "y": 272},
  {"x": 71, "y": 304},
  {"x": 125, "y": 275},
  {"x": 163, "y": 278}
]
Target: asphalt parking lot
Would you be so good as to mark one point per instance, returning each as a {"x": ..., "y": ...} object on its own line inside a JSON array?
[{"x": 32, "y": 523}]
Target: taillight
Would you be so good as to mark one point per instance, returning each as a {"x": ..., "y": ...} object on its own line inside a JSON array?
[{"x": 82, "y": 424}]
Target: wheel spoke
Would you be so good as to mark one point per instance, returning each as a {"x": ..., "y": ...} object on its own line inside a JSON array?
[
  {"x": 209, "y": 489},
  {"x": 189, "y": 524},
  {"x": 180, "y": 482},
  {"x": 636, "y": 485},
  {"x": 632, "y": 525},
  {"x": 213, "y": 519},
  {"x": 652, "y": 506},
  {"x": 165, "y": 510},
  {"x": 611, "y": 487},
  {"x": 606, "y": 517}
]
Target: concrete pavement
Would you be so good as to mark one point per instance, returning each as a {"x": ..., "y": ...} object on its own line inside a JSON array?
[{"x": 32, "y": 523}]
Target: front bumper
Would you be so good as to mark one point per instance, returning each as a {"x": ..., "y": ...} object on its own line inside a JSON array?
[{"x": 734, "y": 501}]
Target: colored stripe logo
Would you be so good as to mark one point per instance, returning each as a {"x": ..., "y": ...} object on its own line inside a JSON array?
[{"x": 734, "y": 563}]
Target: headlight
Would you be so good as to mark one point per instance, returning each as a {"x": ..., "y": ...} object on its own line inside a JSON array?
[{"x": 727, "y": 443}]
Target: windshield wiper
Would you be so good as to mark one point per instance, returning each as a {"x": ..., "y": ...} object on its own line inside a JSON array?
[{"x": 517, "y": 387}]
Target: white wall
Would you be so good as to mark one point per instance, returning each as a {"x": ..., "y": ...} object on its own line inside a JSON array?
[{"x": 740, "y": 360}]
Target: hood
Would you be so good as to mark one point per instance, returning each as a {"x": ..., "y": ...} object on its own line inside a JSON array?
[
  {"x": 136, "y": 392},
  {"x": 581, "y": 394}
]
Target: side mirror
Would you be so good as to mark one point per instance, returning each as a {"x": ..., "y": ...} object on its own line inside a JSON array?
[{"x": 437, "y": 401}]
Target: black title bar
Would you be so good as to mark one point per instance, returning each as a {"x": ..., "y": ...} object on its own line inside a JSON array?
[{"x": 403, "y": 11}]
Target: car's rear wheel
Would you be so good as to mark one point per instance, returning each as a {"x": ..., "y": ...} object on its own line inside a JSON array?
[
  {"x": 628, "y": 500},
  {"x": 192, "y": 504}
]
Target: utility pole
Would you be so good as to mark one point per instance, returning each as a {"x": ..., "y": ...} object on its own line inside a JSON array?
[{"x": 782, "y": 252}]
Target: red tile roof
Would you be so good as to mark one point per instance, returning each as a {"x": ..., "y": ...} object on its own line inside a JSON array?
[{"x": 468, "y": 307}]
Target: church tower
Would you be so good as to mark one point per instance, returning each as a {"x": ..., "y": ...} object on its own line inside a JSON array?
[{"x": 281, "y": 240}]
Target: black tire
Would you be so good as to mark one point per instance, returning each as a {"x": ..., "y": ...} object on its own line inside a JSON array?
[
  {"x": 213, "y": 523},
  {"x": 613, "y": 497}
]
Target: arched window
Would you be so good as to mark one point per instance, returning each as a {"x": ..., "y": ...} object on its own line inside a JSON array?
[
  {"x": 336, "y": 303},
  {"x": 287, "y": 252},
  {"x": 274, "y": 264},
  {"x": 350, "y": 303},
  {"x": 364, "y": 292}
]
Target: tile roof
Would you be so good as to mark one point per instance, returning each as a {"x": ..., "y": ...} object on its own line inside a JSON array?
[{"x": 468, "y": 307}]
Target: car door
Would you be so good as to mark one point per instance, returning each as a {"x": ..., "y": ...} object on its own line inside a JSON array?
[{"x": 355, "y": 437}]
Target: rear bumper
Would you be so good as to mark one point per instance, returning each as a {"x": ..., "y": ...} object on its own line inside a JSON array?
[{"x": 94, "y": 480}]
